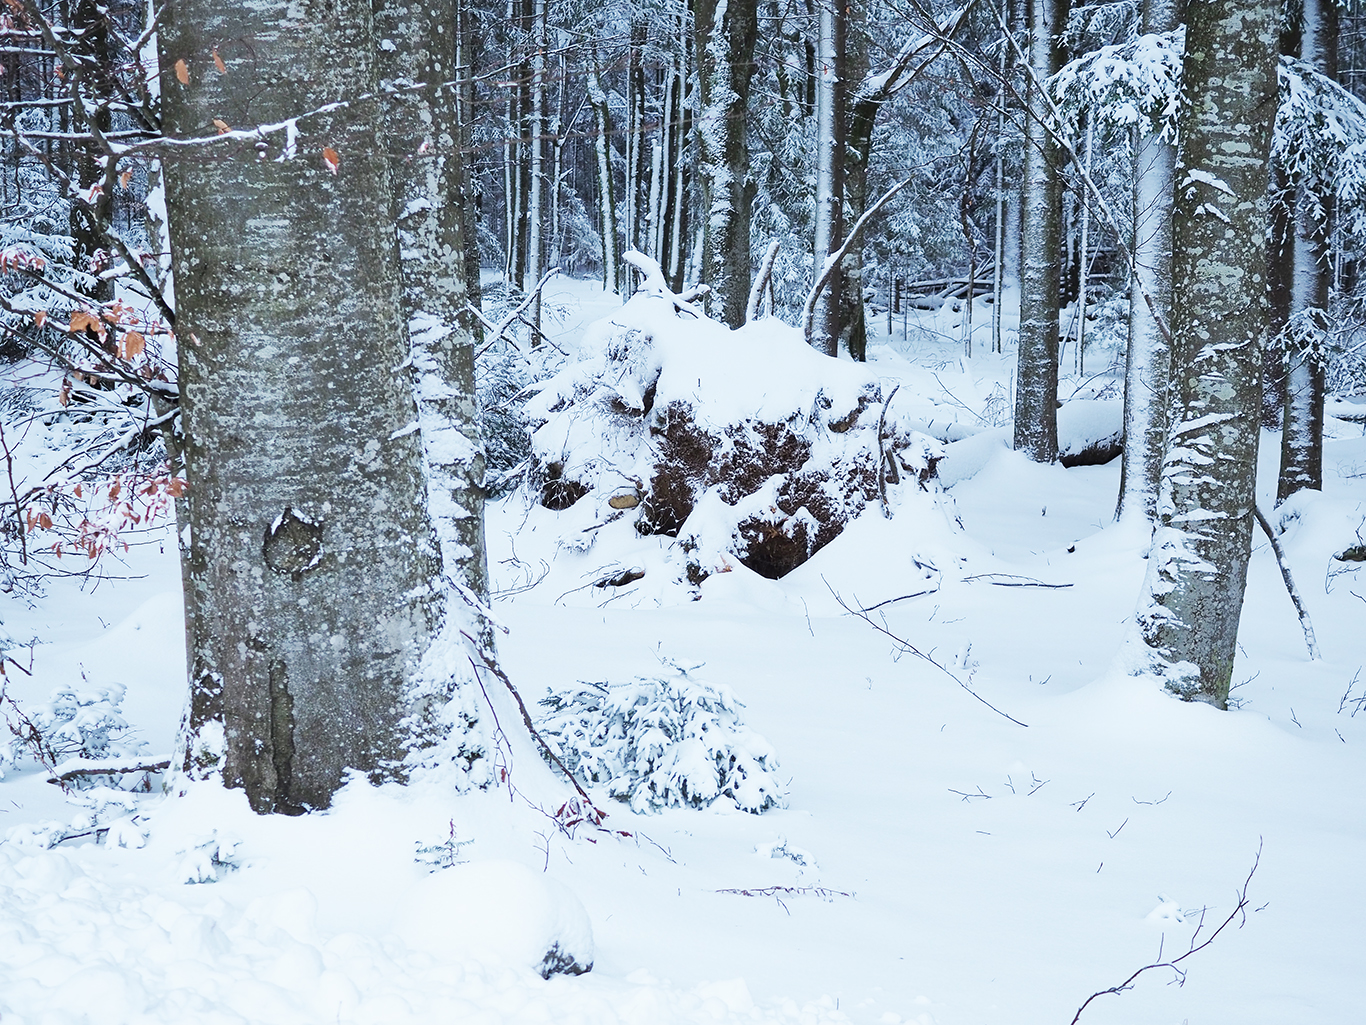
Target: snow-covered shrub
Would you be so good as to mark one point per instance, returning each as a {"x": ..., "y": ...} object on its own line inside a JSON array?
[
  {"x": 746, "y": 445},
  {"x": 85, "y": 723},
  {"x": 663, "y": 742}
]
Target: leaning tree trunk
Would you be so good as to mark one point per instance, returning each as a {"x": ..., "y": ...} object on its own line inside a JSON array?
[
  {"x": 1036, "y": 388},
  {"x": 726, "y": 34},
  {"x": 1148, "y": 360},
  {"x": 1307, "y": 333},
  {"x": 311, "y": 559},
  {"x": 1197, "y": 569}
]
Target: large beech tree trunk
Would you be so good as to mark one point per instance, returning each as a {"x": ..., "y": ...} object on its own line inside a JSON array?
[
  {"x": 1197, "y": 569},
  {"x": 311, "y": 560}
]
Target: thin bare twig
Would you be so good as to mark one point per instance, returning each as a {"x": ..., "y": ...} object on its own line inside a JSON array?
[
  {"x": 1300, "y": 610},
  {"x": 1239, "y": 912},
  {"x": 907, "y": 646}
]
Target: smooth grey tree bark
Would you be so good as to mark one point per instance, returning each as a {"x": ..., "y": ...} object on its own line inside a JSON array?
[
  {"x": 1306, "y": 334},
  {"x": 311, "y": 560},
  {"x": 1036, "y": 379},
  {"x": 607, "y": 208},
  {"x": 1147, "y": 364},
  {"x": 726, "y": 34},
  {"x": 1197, "y": 568}
]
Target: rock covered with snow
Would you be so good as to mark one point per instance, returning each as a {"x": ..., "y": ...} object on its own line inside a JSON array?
[
  {"x": 746, "y": 445},
  {"x": 499, "y": 911}
]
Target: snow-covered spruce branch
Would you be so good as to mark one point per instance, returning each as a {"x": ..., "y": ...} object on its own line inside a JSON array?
[
  {"x": 882, "y": 85},
  {"x": 653, "y": 283},
  {"x": 910, "y": 648},
  {"x": 1300, "y": 610},
  {"x": 1239, "y": 912},
  {"x": 833, "y": 260}
]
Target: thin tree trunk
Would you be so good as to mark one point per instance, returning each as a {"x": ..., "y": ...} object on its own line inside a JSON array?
[
  {"x": 726, "y": 34},
  {"x": 1197, "y": 568},
  {"x": 607, "y": 215},
  {"x": 535, "y": 246},
  {"x": 311, "y": 558},
  {"x": 1307, "y": 337},
  {"x": 1036, "y": 390},
  {"x": 825, "y": 331},
  {"x": 1147, "y": 371}
]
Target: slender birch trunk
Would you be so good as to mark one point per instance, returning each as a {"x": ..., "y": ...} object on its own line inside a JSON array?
[
  {"x": 1197, "y": 569},
  {"x": 535, "y": 244}
]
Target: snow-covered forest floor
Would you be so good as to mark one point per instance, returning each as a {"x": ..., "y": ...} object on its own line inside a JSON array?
[{"x": 936, "y": 861}]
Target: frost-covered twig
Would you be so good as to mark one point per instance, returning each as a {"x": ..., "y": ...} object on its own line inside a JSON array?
[
  {"x": 497, "y": 671},
  {"x": 1300, "y": 610},
  {"x": 1014, "y": 580},
  {"x": 884, "y": 461},
  {"x": 73, "y": 768},
  {"x": 500, "y": 329},
  {"x": 1239, "y": 912},
  {"x": 912, "y": 649}
]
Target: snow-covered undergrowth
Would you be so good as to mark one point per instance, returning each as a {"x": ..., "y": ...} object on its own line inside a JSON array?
[
  {"x": 663, "y": 742},
  {"x": 935, "y": 862}
]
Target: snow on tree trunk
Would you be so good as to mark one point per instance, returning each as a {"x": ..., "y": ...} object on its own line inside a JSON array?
[
  {"x": 1197, "y": 569},
  {"x": 1036, "y": 389},
  {"x": 311, "y": 558},
  {"x": 535, "y": 245},
  {"x": 726, "y": 34},
  {"x": 425, "y": 163},
  {"x": 829, "y": 176},
  {"x": 1306, "y": 333},
  {"x": 1147, "y": 370},
  {"x": 606, "y": 203}
]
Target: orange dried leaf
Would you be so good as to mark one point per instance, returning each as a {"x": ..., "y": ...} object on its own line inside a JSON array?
[
  {"x": 77, "y": 491},
  {"x": 176, "y": 488},
  {"x": 218, "y": 62},
  {"x": 126, "y": 177},
  {"x": 182, "y": 72},
  {"x": 82, "y": 320},
  {"x": 64, "y": 394},
  {"x": 40, "y": 318},
  {"x": 331, "y": 159},
  {"x": 221, "y": 125},
  {"x": 45, "y": 521},
  {"x": 131, "y": 344}
]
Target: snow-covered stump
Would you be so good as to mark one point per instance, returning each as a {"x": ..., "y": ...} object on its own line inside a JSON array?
[{"x": 748, "y": 446}]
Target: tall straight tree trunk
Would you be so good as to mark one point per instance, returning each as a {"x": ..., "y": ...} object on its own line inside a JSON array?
[
  {"x": 607, "y": 208},
  {"x": 829, "y": 171},
  {"x": 634, "y": 215},
  {"x": 310, "y": 588},
  {"x": 470, "y": 201},
  {"x": 1307, "y": 337},
  {"x": 726, "y": 34},
  {"x": 535, "y": 235},
  {"x": 1147, "y": 370},
  {"x": 1036, "y": 388},
  {"x": 426, "y": 166},
  {"x": 1197, "y": 569}
]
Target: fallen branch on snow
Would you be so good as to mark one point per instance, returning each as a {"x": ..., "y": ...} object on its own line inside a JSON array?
[{"x": 1300, "y": 610}]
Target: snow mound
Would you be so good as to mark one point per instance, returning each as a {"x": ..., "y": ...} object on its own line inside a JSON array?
[
  {"x": 501, "y": 912},
  {"x": 746, "y": 445},
  {"x": 663, "y": 743}
]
